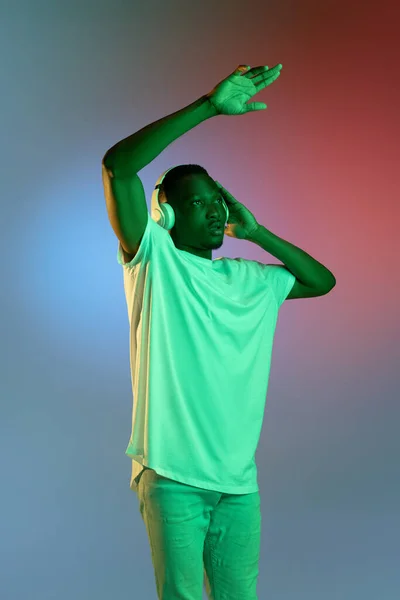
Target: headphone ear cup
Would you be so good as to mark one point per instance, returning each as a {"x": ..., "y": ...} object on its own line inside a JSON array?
[
  {"x": 227, "y": 212},
  {"x": 169, "y": 215},
  {"x": 162, "y": 212}
]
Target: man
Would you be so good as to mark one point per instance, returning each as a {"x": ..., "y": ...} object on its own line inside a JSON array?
[{"x": 201, "y": 334}]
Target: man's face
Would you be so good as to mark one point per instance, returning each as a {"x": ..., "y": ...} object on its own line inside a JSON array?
[{"x": 198, "y": 203}]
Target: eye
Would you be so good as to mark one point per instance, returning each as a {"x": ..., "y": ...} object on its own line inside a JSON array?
[{"x": 219, "y": 198}]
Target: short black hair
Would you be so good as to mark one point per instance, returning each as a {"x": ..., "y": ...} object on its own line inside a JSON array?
[{"x": 171, "y": 180}]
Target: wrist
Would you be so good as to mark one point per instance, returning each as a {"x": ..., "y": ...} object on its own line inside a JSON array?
[
  {"x": 213, "y": 111},
  {"x": 253, "y": 236}
]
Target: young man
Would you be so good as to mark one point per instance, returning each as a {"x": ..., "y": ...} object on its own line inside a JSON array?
[{"x": 201, "y": 334}]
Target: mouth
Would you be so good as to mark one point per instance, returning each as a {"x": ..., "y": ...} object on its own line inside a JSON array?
[{"x": 215, "y": 228}]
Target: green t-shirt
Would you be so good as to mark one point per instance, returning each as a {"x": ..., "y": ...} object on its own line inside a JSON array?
[{"x": 201, "y": 336}]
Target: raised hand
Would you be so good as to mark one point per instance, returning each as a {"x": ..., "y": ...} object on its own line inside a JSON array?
[{"x": 229, "y": 97}]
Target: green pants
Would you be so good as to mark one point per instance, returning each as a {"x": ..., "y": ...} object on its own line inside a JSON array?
[{"x": 199, "y": 535}]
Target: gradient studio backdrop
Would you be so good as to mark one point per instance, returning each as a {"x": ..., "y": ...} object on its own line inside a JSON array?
[{"x": 319, "y": 168}]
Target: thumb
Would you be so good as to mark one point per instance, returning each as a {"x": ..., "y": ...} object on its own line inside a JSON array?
[
  {"x": 241, "y": 69},
  {"x": 253, "y": 106}
]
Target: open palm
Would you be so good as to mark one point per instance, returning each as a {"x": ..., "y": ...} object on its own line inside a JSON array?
[{"x": 230, "y": 96}]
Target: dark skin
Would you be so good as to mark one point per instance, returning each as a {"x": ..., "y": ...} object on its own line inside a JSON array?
[{"x": 197, "y": 202}]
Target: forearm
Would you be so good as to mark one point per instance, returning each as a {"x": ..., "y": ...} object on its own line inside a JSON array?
[
  {"x": 142, "y": 147},
  {"x": 303, "y": 266}
]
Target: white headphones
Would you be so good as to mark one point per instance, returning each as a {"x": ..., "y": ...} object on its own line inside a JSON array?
[{"x": 162, "y": 212}]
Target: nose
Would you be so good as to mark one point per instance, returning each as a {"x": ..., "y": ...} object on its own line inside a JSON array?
[{"x": 216, "y": 213}]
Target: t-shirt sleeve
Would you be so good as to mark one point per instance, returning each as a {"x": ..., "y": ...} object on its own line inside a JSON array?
[
  {"x": 280, "y": 279},
  {"x": 153, "y": 234}
]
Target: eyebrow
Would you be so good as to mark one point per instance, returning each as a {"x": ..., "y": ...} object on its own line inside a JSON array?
[{"x": 197, "y": 197}]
